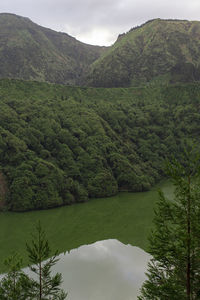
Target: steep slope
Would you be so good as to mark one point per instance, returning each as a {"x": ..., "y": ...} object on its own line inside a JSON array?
[
  {"x": 29, "y": 51},
  {"x": 61, "y": 144},
  {"x": 158, "y": 51}
]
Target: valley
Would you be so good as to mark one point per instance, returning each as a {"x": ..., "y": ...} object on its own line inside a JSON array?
[
  {"x": 157, "y": 52},
  {"x": 85, "y": 136}
]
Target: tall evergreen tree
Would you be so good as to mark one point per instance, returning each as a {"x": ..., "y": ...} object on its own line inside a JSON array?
[
  {"x": 16, "y": 285},
  {"x": 45, "y": 286},
  {"x": 174, "y": 270}
]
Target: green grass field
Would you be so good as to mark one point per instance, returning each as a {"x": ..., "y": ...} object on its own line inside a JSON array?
[{"x": 126, "y": 217}]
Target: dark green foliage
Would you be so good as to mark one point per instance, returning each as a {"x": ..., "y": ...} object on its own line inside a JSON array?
[
  {"x": 32, "y": 52},
  {"x": 185, "y": 72},
  {"x": 173, "y": 272},
  {"x": 102, "y": 185},
  {"x": 46, "y": 286},
  {"x": 158, "y": 52},
  {"x": 14, "y": 285},
  {"x": 61, "y": 145}
]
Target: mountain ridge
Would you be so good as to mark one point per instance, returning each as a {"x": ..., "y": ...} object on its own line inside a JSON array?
[
  {"x": 148, "y": 51},
  {"x": 32, "y": 52},
  {"x": 160, "y": 51}
]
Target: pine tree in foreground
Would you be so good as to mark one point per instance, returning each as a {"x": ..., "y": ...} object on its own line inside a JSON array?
[
  {"x": 45, "y": 286},
  {"x": 16, "y": 285},
  {"x": 174, "y": 271}
]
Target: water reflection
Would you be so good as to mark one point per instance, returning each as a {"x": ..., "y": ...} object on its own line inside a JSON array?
[{"x": 105, "y": 270}]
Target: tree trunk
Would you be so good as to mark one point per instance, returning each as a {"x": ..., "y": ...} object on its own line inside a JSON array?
[{"x": 188, "y": 284}]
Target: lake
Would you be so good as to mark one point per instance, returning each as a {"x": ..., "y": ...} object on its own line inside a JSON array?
[
  {"x": 126, "y": 217},
  {"x": 105, "y": 270}
]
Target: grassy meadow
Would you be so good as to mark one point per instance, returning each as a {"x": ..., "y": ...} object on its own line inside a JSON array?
[{"x": 126, "y": 217}]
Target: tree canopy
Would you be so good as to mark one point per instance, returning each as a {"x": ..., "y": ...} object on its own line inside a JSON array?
[{"x": 60, "y": 145}]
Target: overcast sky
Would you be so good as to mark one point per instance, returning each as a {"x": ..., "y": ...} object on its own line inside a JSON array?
[{"x": 99, "y": 22}]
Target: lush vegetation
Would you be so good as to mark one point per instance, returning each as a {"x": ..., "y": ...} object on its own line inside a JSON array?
[
  {"x": 174, "y": 270},
  {"x": 159, "y": 51},
  {"x": 42, "y": 285},
  {"x": 32, "y": 52},
  {"x": 60, "y": 145},
  {"x": 126, "y": 217}
]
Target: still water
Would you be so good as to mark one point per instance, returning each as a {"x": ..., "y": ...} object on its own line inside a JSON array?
[{"x": 105, "y": 270}]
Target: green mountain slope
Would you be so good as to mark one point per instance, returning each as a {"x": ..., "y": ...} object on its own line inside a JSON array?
[
  {"x": 32, "y": 52},
  {"x": 158, "y": 51},
  {"x": 60, "y": 145}
]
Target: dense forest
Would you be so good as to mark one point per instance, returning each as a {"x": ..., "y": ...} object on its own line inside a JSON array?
[{"x": 60, "y": 145}]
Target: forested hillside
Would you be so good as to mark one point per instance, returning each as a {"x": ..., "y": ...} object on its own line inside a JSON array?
[
  {"x": 31, "y": 52},
  {"x": 159, "y": 51},
  {"x": 60, "y": 145}
]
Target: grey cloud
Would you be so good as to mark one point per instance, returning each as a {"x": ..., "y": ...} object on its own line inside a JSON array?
[{"x": 82, "y": 16}]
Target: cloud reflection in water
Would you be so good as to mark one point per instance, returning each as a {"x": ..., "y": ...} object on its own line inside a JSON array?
[{"x": 105, "y": 270}]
